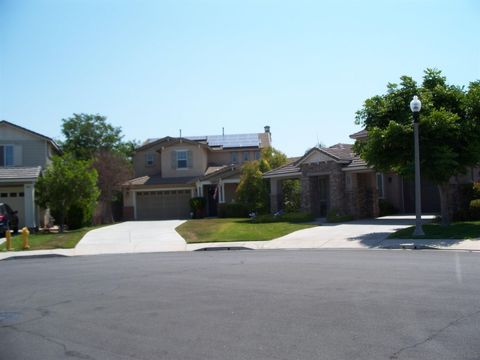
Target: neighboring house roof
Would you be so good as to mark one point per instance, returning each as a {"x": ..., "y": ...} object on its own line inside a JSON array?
[
  {"x": 159, "y": 180},
  {"x": 19, "y": 173},
  {"x": 342, "y": 153},
  {"x": 357, "y": 164},
  {"x": 359, "y": 135},
  {"x": 50, "y": 140},
  {"x": 217, "y": 141},
  {"x": 223, "y": 172},
  {"x": 338, "y": 152},
  {"x": 289, "y": 169}
]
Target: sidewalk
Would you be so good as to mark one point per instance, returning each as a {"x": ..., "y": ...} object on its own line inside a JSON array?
[{"x": 361, "y": 234}]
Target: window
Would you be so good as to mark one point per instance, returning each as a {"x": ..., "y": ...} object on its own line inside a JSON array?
[
  {"x": 380, "y": 185},
  {"x": 257, "y": 155},
  {"x": 246, "y": 156},
  {"x": 6, "y": 155},
  {"x": 149, "y": 159},
  {"x": 233, "y": 156},
  {"x": 182, "y": 158}
]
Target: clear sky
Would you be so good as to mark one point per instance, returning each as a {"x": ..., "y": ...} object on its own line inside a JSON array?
[{"x": 154, "y": 67}]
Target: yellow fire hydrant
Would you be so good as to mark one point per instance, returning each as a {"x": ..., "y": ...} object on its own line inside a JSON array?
[
  {"x": 8, "y": 237},
  {"x": 25, "y": 234}
]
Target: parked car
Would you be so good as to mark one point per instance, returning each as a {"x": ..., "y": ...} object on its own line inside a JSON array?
[{"x": 8, "y": 219}]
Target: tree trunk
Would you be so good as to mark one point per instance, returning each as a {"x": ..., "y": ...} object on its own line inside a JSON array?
[
  {"x": 443, "y": 190},
  {"x": 107, "y": 213},
  {"x": 62, "y": 221}
]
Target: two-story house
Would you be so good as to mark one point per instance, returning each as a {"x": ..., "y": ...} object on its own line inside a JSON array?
[
  {"x": 171, "y": 170},
  {"x": 23, "y": 155}
]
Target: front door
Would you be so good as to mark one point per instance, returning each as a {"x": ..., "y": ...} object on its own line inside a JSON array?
[{"x": 211, "y": 194}]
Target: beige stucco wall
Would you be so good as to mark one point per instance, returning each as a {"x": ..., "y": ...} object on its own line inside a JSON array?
[
  {"x": 140, "y": 167},
  {"x": 199, "y": 161},
  {"x": 224, "y": 157},
  {"x": 392, "y": 188}
]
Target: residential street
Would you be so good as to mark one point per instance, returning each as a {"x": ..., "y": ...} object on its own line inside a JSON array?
[{"x": 270, "y": 304}]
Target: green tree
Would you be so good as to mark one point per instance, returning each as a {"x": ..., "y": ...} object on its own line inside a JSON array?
[
  {"x": 253, "y": 191},
  {"x": 91, "y": 137},
  {"x": 86, "y": 134},
  {"x": 67, "y": 183},
  {"x": 449, "y": 130}
]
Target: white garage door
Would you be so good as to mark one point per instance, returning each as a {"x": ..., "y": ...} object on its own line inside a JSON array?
[
  {"x": 14, "y": 197},
  {"x": 165, "y": 204}
]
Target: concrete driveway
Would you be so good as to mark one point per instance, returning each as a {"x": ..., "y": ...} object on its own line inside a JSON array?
[{"x": 132, "y": 236}]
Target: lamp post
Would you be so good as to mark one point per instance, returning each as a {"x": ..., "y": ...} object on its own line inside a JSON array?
[{"x": 415, "y": 106}]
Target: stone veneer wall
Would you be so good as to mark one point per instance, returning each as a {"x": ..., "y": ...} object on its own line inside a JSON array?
[{"x": 336, "y": 187}]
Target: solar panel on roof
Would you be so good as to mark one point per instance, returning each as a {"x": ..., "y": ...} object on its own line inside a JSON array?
[{"x": 235, "y": 140}]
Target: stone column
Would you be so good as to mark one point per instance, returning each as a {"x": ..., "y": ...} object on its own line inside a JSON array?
[
  {"x": 274, "y": 190},
  {"x": 29, "y": 202}
]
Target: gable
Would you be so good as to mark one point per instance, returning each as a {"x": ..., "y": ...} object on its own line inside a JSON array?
[
  {"x": 9, "y": 133},
  {"x": 316, "y": 156}
]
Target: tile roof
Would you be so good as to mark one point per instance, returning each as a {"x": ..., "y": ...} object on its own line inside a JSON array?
[
  {"x": 19, "y": 173},
  {"x": 357, "y": 164},
  {"x": 159, "y": 180},
  {"x": 288, "y": 169},
  {"x": 340, "y": 151},
  {"x": 359, "y": 134}
]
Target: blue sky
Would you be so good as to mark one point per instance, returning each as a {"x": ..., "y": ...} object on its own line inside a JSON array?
[{"x": 154, "y": 67}]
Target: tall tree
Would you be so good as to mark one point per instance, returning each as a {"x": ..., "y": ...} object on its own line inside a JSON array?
[
  {"x": 91, "y": 137},
  {"x": 253, "y": 191},
  {"x": 449, "y": 130},
  {"x": 113, "y": 169},
  {"x": 86, "y": 134},
  {"x": 67, "y": 182}
]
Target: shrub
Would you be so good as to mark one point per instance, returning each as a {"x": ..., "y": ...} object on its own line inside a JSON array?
[
  {"x": 197, "y": 206},
  {"x": 291, "y": 190},
  {"x": 472, "y": 213},
  {"x": 474, "y": 209},
  {"x": 476, "y": 190},
  {"x": 386, "y": 208},
  {"x": 232, "y": 210},
  {"x": 78, "y": 217},
  {"x": 334, "y": 216}
]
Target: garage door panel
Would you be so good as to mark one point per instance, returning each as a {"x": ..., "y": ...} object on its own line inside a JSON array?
[{"x": 167, "y": 204}]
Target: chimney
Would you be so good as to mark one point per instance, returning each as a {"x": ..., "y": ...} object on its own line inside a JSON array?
[{"x": 269, "y": 134}]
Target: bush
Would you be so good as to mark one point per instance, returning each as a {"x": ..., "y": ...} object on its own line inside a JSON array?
[
  {"x": 232, "y": 210},
  {"x": 292, "y": 217},
  {"x": 472, "y": 213},
  {"x": 334, "y": 216},
  {"x": 197, "y": 206},
  {"x": 78, "y": 217},
  {"x": 386, "y": 208}
]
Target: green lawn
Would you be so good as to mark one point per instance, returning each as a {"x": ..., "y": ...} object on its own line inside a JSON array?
[
  {"x": 218, "y": 230},
  {"x": 460, "y": 230},
  {"x": 41, "y": 241}
]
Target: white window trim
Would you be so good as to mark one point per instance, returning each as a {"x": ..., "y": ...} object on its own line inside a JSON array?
[{"x": 186, "y": 159}]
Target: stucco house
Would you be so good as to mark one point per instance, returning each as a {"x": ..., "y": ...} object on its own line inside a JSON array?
[
  {"x": 23, "y": 155},
  {"x": 335, "y": 178},
  {"x": 171, "y": 170}
]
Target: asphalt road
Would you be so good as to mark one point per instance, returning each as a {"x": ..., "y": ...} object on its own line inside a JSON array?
[{"x": 323, "y": 304}]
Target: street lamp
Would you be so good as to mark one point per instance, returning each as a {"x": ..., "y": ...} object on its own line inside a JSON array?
[{"x": 415, "y": 106}]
